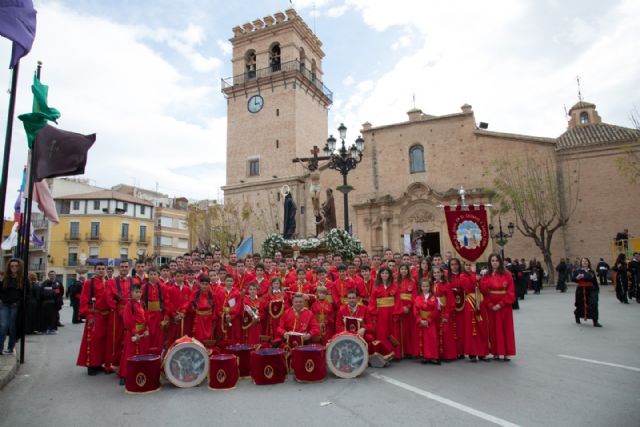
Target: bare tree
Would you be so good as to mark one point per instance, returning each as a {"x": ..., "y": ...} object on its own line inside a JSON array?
[
  {"x": 629, "y": 163},
  {"x": 542, "y": 194},
  {"x": 222, "y": 226}
]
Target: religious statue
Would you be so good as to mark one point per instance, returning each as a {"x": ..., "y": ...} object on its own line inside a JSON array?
[
  {"x": 290, "y": 208},
  {"x": 326, "y": 215}
]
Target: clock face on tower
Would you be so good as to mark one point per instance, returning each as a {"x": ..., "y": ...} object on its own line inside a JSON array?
[{"x": 255, "y": 104}]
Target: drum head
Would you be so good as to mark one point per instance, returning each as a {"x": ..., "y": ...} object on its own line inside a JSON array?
[
  {"x": 347, "y": 356},
  {"x": 187, "y": 364}
]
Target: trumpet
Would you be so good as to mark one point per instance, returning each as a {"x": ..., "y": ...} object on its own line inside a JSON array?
[{"x": 252, "y": 312}]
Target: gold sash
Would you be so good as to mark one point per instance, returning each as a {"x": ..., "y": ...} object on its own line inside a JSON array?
[
  {"x": 153, "y": 306},
  {"x": 498, "y": 292},
  {"x": 203, "y": 312},
  {"x": 404, "y": 296},
  {"x": 385, "y": 302},
  {"x": 424, "y": 314},
  {"x": 140, "y": 327}
]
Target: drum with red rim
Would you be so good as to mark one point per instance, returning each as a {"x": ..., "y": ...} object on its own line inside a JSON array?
[
  {"x": 243, "y": 352},
  {"x": 143, "y": 374},
  {"x": 186, "y": 363},
  {"x": 268, "y": 366},
  {"x": 308, "y": 363},
  {"x": 223, "y": 372},
  {"x": 347, "y": 355}
]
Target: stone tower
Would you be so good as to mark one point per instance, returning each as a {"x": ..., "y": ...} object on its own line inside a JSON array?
[{"x": 277, "y": 109}]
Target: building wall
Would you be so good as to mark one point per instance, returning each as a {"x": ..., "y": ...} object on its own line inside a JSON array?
[{"x": 171, "y": 233}]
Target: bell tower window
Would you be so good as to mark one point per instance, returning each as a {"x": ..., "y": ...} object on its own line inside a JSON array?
[
  {"x": 584, "y": 118},
  {"x": 416, "y": 159},
  {"x": 250, "y": 64},
  {"x": 274, "y": 57}
]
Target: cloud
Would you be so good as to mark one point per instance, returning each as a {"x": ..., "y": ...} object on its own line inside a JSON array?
[
  {"x": 348, "y": 81},
  {"x": 153, "y": 121},
  {"x": 338, "y": 11},
  {"x": 225, "y": 47}
]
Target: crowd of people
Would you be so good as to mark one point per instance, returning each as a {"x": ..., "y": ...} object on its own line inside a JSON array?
[{"x": 404, "y": 306}]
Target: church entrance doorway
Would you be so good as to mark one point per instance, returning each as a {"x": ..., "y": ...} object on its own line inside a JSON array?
[{"x": 430, "y": 244}]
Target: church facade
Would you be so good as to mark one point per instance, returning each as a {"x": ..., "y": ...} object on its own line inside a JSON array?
[{"x": 277, "y": 111}]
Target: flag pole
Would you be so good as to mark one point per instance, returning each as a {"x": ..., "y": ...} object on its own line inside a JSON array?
[
  {"x": 27, "y": 235},
  {"x": 7, "y": 141}
]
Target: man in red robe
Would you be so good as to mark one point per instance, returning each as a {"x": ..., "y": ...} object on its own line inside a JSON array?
[
  {"x": 118, "y": 294},
  {"x": 297, "y": 321},
  {"x": 156, "y": 303},
  {"x": 242, "y": 277},
  {"x": 341, "y": 285},
  {"x": 354, "y": 318},
  {"x": 93, "y": 306}
]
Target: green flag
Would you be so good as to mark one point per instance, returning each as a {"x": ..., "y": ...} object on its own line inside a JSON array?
[{"x": 42, "y": 113}]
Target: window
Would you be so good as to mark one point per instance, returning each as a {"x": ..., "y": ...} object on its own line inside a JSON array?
[
  {"x": 250, "y": 64},
  {"x": 166, "y": 241},
  {"x": 183, "y": 243},
  {"x": 76, "y": 205},
  {"x": 143, "y": 233},
  {"x": 143, "y": 210},
  {"x": 254, "y": 167},
  {"x": 96, "y": 205},
  {"x": 73, "y": 257},
  {"x": 124, "y": 253},
  {"x": 94, "y": 251},
  {"x": 303, "y": 58},
  {"x": 277, "y": 143},
  {"x": 125, "y": 232},
  {"x": 164, "y": 221},
  {"x": 416, "y": 159},
  {"x": 584, "y": 118},
  {"x": 274, "y": 57},
  {"x": 95, "y": 230},
  {"x": 74, "y": 230},
  {"x": 183, "y": 225}
]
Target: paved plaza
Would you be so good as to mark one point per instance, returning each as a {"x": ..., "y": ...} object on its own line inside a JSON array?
[{"x": 564, "y": 375}]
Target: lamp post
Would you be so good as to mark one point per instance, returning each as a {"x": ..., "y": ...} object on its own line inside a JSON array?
[
  {"x": 344, "y": 160},
  {"x": 501, "y": 237}
]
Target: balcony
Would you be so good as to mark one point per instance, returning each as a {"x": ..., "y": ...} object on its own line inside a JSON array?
[
  {"x": 40, "y": 223},
  {"x": 144, "y": 240},
  {"x": 126, "y": 239},
  {"x": 35, "y": 266},
  {"x": 92, "y": 237},
  {"x": 67, "y": 262},
  {"x": 72, "y": 237},
  {"x": 294, "y": 67}
]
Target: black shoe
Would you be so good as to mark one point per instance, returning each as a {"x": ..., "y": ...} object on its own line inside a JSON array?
[
  {"x": 92, "y": 371},
  {"x": 424, "y": 361},
  {"x": 436, "y": 362},
  {"x": 577, "y": 320},
  {"x": 597, "y": 325},
  {"x": 496, "y": 357},
  {"x": 473, "y": 359},
  {"x": 506, "y": 359},
  {"x": 625, "y": 302},
  {"x": 461, "y": 356},
  {"x": 122, "y": 381},
  {"x": 483, "y": 359},
  {"x": 60, "y": 325}
]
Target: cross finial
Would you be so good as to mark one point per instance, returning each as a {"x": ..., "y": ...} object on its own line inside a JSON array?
[
  {"x": 579, "y": 91},
  {"x": 414, "y": 100}
]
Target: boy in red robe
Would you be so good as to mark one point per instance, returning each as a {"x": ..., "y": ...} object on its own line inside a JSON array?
[
  {"x": 136, "y": 336},
  {"x": 181, "y": 299},
  {"x": 228, "y": 301},
  {"x": 340, "y": 286},
  {"x": 251, "y": 316},
  {"x": 325, "y": 314},
  {"x": 366, "y": 287},
  {"x": 203, "y": 305}
]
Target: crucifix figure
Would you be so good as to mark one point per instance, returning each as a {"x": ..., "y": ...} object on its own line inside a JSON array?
[{"x": 312, "y": 164}]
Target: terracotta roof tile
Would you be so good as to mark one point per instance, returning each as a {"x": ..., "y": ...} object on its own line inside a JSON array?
[{"x": 596, "y": 134}]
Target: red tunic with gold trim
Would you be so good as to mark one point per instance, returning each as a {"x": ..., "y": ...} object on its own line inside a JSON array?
[
  {"x": 135, "y": 324},
  {"x": 274, "y": 304},
  {"x": 360, "y": 312},
  {"x": 204, "y": 320},
  {"x": 458, "y": 285},
  {"x": 340, "y": 288},
  {"x": 93, "y": 306},
  {"x": 500, "y": 291},
  {"x": 365, "y": 289},
  {"x": 181, "y": 302},
  {"x": 228, "y": 309},
  {"x": 241, "y": 281},
  {"x": 263, "y": 284},
  {"x": 308, "y": 289},
  {"x": 155, "y": 299},
  {"x": 476, "y": 333},
  {"x": 427, "y": 343},
  {"x": 294, "y": 321},
  {"x": 326, "y": 317},
  {"x": 448, "y": 347},
  {"x": 117, "y": 295},
  {"x": 407, "y": 292},
  {"x": 383, "y": 306},
  {"x": 251, "y": 326}
]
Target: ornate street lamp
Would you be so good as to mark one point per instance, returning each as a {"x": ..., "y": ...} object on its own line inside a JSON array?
[
  {"x": 344, "y": 160},
  {"x": 501, "y": 237}
]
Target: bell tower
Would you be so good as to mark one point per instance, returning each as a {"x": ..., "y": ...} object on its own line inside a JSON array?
[{"x": 277, "y": 105}]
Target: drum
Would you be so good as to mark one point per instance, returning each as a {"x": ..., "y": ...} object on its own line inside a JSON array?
[
  {"x": 223, "y": 372},
  {"x": 186, "y": 363},
  {"x": 243, "y": 352},
  {"x": 347, "y": 355},
  {"x": 308, "y": 363},
  {"x": 143, "y": 374},
  {"x": 268, "y": 366},
  {"x": 380, "y": 355},
  {"x": 458, "y": 293}
]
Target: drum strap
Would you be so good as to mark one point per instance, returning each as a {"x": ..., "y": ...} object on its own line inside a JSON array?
[{"x": 146, "y": 296}]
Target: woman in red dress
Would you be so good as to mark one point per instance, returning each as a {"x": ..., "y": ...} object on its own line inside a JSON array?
[
  {"x": 458, "y": 285},
  {"x": 476, "y": 334},
  {"x": 443, "y": 291},
  {"x": 500, "y": 294},
  {"x": 426, "y": 311},
  {"x": 383, "y": 304},
  {"x": 407, "y": 290}
]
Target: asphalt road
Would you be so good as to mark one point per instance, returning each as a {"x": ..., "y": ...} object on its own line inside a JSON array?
[{"x": 537, "y": 388}]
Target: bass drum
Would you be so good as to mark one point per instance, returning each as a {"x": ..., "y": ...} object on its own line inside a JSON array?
[
  {"x": 186, "y": 363},
  {"x": 347, "y": 355}
]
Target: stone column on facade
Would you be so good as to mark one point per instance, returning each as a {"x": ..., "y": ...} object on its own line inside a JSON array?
[{"x": 385, "y": 218}]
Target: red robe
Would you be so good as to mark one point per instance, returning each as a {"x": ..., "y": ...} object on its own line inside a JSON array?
[
  {"x": 365, "y": 289},
  {"x": 308, "y": 289},
  {"x": 427, "y": 342},
  {"x": 448, "y": 348},
  {"x": 251, "y": 328},
  {"x": 242, "y": 281},
  {"x": 272, "y": 314},
  {"x": 93, "y": 306},
  {"x": 204, "y": 321},
  {"x": 263, "y": 285},
  {"x": 135, "y": 323},
  {"x": 340, "y": 289},
  {"x": 117, "y": 294},
  {"x": 302, "y": 322},
  {"x": 383, "y": 306},
  {"x": 326, "y": 317},
  {"x": 407, "y": 292},
  {"x": 499, "y": 289},
  {"x": 155, "y": 299},
  {"x": 361, "y": 312},
  {"x": 459, "y": 285},
  {"x": 476, "y": 336},
  {"x": 229, "y": 303},
  {"x": 181, "y": 303}
]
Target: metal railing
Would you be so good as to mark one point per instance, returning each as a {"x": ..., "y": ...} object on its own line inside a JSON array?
[
  {"x": 92, "y": 237},
  {"x": 70, "y": 262},
  {"x": 126, "y": 239},
  {"x": 290, "y": 66},
  {"x": 143, "y": 239},
  {"x": 72, "y": 236},
  {"x": 35, "y": 266}
]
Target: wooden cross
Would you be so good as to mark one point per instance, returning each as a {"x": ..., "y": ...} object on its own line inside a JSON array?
[{"x": 312, "y": 161}]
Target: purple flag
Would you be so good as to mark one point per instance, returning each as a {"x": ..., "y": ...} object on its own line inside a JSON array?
[{"x": 18, "y": 24}]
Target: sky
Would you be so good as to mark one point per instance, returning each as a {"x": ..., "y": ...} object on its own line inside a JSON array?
[{"x": 145, "y": 75}]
